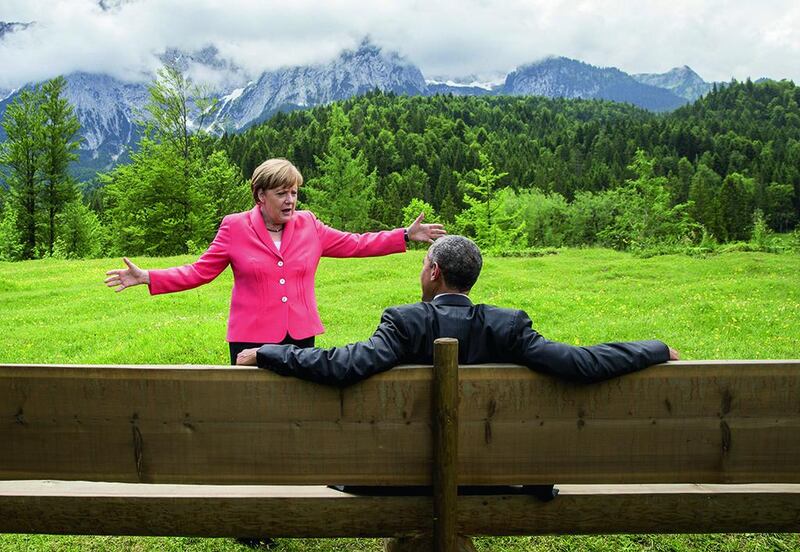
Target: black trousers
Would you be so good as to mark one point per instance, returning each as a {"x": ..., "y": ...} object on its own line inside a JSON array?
[
  {"x": 237, "y": 347},
  {"x": 545, "y": 493}
]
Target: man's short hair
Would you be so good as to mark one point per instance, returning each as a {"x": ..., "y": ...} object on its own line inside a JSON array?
[{"x": 459, "y": 259}]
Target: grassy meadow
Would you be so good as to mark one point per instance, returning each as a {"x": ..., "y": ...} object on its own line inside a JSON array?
[{"x": 729, "y": 306}]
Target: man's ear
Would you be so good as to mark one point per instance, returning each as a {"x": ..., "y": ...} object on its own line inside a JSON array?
[{"x": 436, "y": 272}]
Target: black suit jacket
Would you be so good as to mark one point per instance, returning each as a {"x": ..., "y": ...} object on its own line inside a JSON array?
[{"x": 485, "y": 334}]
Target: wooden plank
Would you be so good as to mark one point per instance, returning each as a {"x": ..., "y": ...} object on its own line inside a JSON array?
[
  {"x": 702, "y": 422},
  {"x": 445, "y": 444},
  {"x": 599, "y": 509},
  {"x": 206, "y": 510}
]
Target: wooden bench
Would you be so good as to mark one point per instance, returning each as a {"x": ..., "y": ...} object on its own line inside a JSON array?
[{"x": 709, "y": 446}]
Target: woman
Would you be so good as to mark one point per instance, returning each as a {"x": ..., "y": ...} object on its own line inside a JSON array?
[{"x": 274, "y": 252}]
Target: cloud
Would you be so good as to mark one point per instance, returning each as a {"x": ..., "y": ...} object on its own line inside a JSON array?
[{"x": 719, "y": 39}]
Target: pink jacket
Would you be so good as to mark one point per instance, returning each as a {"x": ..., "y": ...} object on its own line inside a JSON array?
[{"x": 273, "y": 291}]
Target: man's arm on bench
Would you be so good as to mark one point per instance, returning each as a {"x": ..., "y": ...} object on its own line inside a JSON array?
[
  {"x": 583, "y": 364},
  {"x": 341, "y": 366}
]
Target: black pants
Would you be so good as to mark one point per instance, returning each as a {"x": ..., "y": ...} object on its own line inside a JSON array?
[
  {"x": 545, "y": 493},
  {"x": 237, "y": 347}
]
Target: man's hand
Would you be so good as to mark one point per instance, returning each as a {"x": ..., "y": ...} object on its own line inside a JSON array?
[
  {"x": 673, "y": 354},
  {"x": 425, "y": 232},
  {"x": 247, "y": 357}
]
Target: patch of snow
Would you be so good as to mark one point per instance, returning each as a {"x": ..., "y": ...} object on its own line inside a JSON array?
[
  {"x": 473, "y": 84},
  {"x": 233, "y": 95}
]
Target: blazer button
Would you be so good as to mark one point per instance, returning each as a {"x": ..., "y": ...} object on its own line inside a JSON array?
[
  {"x": 282, "y": 281},
  {"x": 280, "y": 263},
  {"x": 284, "y": 299}
]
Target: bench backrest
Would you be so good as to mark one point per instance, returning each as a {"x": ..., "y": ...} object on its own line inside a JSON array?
[{"x": 687, "y": 422}]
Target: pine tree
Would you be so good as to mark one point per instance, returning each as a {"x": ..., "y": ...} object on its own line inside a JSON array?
[
  {"x": 344, "y": 192},
  {"x": 704, "y": 199},
  {"x": 735, "y": 207},
  {"x": 484, "y": 219},
  {"x": 21, "y": 154},
  {"x": 683, "y": 181},
  {"x": 58, "y": 150}
]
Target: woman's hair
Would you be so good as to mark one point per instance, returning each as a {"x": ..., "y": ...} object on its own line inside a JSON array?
[{"x": 275, "y": 174}]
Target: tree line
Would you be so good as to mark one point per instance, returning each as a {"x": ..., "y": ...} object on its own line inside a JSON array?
[
  {"x": 512, "y": 172},
  {"x": 568, "y": 166}
]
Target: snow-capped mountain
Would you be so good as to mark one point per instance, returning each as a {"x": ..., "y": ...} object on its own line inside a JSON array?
[
  {"x": 559, "y": 77},
  {"x": 464, "y": 86},
  {"x": 107, "y": 107},
  {"x": 353, "y": 72},
  {"x": 681, "y": 80},
  {"x": 469, "y": 85}
]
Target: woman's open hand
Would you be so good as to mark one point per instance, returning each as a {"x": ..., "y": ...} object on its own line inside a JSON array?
[
  {"x": 126, "y": 277},
  {"x": 425, "y": 232}
]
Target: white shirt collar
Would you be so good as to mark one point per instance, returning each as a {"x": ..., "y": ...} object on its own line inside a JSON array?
[{"x": 450, "y": 293}]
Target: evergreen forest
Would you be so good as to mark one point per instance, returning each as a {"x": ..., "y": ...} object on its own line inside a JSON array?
[{"x": 517, "y": 174}]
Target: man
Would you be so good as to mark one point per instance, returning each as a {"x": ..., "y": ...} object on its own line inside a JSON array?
[{"x": 485, "y": 334}]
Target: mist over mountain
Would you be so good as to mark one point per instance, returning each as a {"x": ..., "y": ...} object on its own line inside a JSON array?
[
  {"x": 107, "y": 107},
  {"x": 207, "y": 67},
  {"x": 110, "y": 5},
  {"x": 8, "y": 27}
]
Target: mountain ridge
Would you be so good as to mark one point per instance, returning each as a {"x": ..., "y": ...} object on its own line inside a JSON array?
[
  {"x": 107, "y": 107},
  {"x": 560, "y": 77}
]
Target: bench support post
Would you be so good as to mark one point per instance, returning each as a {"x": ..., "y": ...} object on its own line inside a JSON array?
[{"x": 445, "y": 446}]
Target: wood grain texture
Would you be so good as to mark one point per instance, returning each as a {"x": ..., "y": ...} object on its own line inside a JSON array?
[
  {"x": 227, "y": 511},
  {"x": 445, "y": 444},
  {"x": 699, "y": 422}
]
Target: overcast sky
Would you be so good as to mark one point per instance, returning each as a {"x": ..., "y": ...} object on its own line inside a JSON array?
[{"x": 717, "y": 39}]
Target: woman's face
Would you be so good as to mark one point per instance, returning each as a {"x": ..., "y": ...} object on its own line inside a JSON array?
[{"x": 278, "y": 204}]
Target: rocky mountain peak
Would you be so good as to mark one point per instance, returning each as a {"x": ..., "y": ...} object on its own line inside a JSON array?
[
  {"x": 365, "y": 47},
  {"x": 682, "y": 81},
  {"x": 569, "y": 78},
  {"x": 352, "y": 72}
]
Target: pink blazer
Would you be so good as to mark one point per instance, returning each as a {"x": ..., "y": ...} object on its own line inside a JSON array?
[{"x": 273, "y": 290}]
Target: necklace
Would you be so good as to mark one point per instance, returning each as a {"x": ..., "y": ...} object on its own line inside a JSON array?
[{"x": 276, "y": 228}]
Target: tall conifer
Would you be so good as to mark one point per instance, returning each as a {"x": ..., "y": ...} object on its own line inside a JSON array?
[
  {"x": 21, "y": 155},
  {"x": 58, "y": 150}
]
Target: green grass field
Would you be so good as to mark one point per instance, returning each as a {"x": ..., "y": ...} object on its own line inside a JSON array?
[{"x": 735, "y": 306}]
